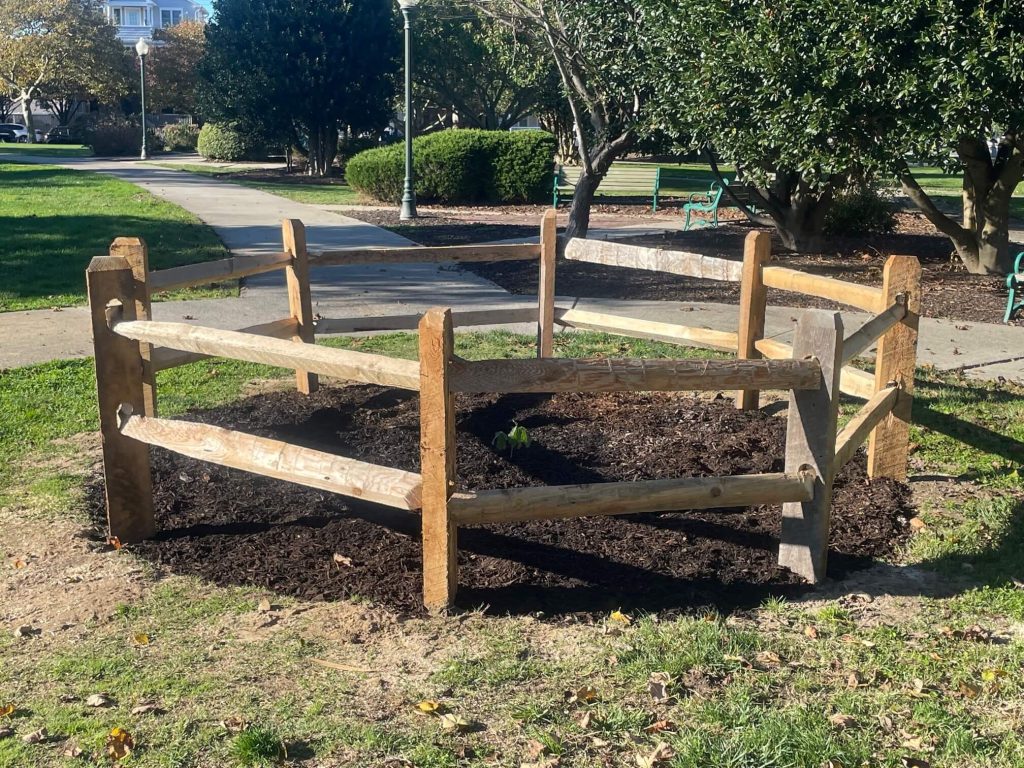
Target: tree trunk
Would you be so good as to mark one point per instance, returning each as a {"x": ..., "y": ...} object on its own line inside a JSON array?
[
  {"x": 26, "y": 113},
  {"x": 323, "y": 147},
  {"x": 582, "y": 199}
]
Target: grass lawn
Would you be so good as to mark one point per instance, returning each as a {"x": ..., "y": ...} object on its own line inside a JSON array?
[
  {"x": 46, "y": 150},
  {"x": 54, "y": 220},
  {"x": 301, "y": 191},
  {"x": 908, "y": 679}
]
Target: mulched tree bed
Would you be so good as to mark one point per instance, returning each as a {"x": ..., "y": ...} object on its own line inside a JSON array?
[{"x": 232, "y": 527}]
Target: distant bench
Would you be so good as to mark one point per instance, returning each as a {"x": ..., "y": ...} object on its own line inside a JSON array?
[{"x": 1015, "y": 282}]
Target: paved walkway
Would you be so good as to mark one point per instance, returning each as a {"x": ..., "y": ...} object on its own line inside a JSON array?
[{"x": 248, "y": 221}]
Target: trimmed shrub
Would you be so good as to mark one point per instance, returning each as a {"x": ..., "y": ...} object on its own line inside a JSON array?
[
  {"x": 460, "y": 166},
  {"x": 858, "y": 211},
  {"x": 119, "y": 136},
  {"x": 179, "y": 137},
  {"x": 224, "y": 141}
]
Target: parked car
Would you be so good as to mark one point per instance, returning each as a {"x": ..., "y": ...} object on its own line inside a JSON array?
[
  {"x": 19, "y": 132},
  {"x": 63, "y": 134}
]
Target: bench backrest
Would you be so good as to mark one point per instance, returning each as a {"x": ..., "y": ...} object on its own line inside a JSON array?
[
  {"x": 621, "y": 176},
  {"x": 683, "y": 180}
]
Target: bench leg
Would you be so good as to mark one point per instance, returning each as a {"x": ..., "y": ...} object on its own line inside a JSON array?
[
  {"x": 686, "y": 228},
  {"x": 1011, "y": 305}
]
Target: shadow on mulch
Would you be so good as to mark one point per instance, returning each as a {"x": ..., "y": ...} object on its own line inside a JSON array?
[{"x": 231, "y": 527}]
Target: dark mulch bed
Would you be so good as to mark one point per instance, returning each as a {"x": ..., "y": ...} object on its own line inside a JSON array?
[
  {"x": 435, "y": 229},
  {"x": 948, "y": 290},
  {"x": 236, "y": 528}
]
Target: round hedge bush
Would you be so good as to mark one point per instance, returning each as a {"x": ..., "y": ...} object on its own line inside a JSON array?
[
  {"x": 222, "y": 141},
  {"x": 859, "y": 210},
  {"x": 460, "y": 166}
]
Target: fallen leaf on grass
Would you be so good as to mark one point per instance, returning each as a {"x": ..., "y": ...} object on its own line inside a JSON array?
[
  {"x": 454, "y": 723},
  {"x": 550, "y": 762},
  {"x": 145, "y": 707},
  {"x": 811, "y": 631},
  {"x": 620, "y": 618},
  {"x": 114, "y": 542},
  {"x": 6, "y": 733},
  {"x": 234, "y": 724},
  {"x": 660, "y": 726},
  {"x": 914, "y": 742},
  {"x": 25, "y": 630},
  {"x": 430, "y": 707},
  {"x": 970, "y": 690},
  {"x": 842, "y": 722},
  {"x": 658, "y": 685},
  {"x": 913, "y": 762},
  {"x": 918, "y": 524},
  {"x": 768, "y": 657},
  {"x": 342, "y": 667},
  {"x": 264, "y": 606},
  {"x": 18, "y": 563},
  {"x": 36, "y": 737},
  {"x": 661, "y": 754},
  {"x": 140, "y": 638},
  {"x": 584, "y": 720},
  {"x": 73, "y": 750},
  {"x": 535, "y": 749},
  {"x": 855, "y": 680},
  {"x": 7, "y": 710},
  {"x": 583, "y": 695},
  {"x": 991, "y": 675},
  {"x": 99, "y": 700},
  {"x": 119, "y": 744}
]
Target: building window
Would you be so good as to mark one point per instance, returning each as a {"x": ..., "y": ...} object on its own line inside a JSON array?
[
  {"x": 170, "y": 18},
  {"x": 116, "y": 15}
]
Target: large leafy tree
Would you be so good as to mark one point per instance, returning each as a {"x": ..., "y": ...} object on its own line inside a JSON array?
[
  {"x": 966, "y": 87},
  {"x": 596, "y": 48},
  {"x": 790, "y": 93},
  {"x": 172, "y": 72},
  {"x": 301, "y": 70},
  {"x": 60, "y": 49}
]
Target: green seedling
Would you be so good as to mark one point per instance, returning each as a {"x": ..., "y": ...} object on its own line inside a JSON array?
[{"x": 517, "y": 437}]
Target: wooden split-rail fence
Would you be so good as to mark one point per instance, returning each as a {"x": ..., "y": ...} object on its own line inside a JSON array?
[{"x": 131, "y": 348}]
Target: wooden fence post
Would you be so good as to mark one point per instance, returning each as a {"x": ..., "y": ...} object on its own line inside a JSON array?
[
  {"x": 895, "y": 360},
  {"x": 757, "y": 251},
  {"x": 129, "y": 489},
  {"x": 135, "y": 252},
  {"x": 811, "y": 442},
  {"x": 300, "y": 304},
  {"x": 546, "y": 287},
  {"x": 437, "y": 459}
]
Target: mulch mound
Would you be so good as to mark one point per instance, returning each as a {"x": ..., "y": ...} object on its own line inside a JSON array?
[{"x": 232, "y": 527}]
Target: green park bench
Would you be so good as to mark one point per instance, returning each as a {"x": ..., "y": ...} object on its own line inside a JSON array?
[
  {"x": 1015, "y": 282},
  {"x": 624, "y": 178},
  {"x": 680, "y": 181},
  {"x": 715, "y": 199}
]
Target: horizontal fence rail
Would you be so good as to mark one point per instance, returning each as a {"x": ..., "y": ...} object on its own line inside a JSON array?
[
  {"x": 165, "y": 357},
  {"x": 277, "y": 459},
  {"x": 868, "y": 334},
  {"x": 852, "y": 382},
  {"x": 411, "y": 321},
  {"x": 559, "y": 375},
  {"x": 341, "y": 363},
  {"x": 614, "y": 254},
  {"x": 646, "y": 329},
  {"x": 853, "y": 294},
  {"x": 563, "y": 501},
  {"x": 213, "y": 271},
  {"x": 860, "y": 426},
  {"x": 421, "y": 255}
]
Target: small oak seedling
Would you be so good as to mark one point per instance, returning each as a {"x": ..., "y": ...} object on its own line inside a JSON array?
[{"x": 517, "y": 437}]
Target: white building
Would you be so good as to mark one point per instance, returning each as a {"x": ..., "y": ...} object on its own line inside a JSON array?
[{"x": 141, "y": 18}]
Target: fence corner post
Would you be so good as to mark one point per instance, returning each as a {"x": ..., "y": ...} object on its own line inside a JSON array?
[
  {"x": 811, "y": 442},
  {"x": 300, "y": 303},
  {"x": 546, "y": 287},
  {"x": 135, "y": 251},
  {"x": 757, "y": 251},
  {"x": 119, "y": 380},
  {"x": 437, "y": 459},
  {"x": 895, "y": 361}
]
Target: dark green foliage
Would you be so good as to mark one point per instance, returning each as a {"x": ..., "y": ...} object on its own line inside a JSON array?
[
  {"x": 461, "y": 166},
  {"x": 179, "y": 137},
  {"x": 118, "y": 136},
  {"x": 225, "y": 141},
  {"x": 859, "y": 211}
]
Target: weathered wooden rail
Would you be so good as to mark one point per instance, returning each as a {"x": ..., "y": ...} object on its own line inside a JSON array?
[{"x": 131, "y": 347}]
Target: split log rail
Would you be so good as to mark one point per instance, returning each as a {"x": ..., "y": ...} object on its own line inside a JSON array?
[{"x": 131, "y": 348}]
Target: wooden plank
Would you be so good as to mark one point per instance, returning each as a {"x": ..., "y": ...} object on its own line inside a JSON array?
[
  {"x": 852, "y": 294},
  {"x": 757, "y": 251},
  {"x": 165, "y": 357},
  {"x": 860, "y": 426},
  {"x": 213, "y": 271},
  {"x": 546, "y": 286},
  {"x": 341, "y": 363},
  {"x": 852, "y": 381},
  {"x": 614, "y": 254},
  {"x": 895, "y": 360},
  {"x": 593, "y": 499},
  {"x": 558, "y": 375},
  {"x": 135, "y": 252},
  {"x": 411, "y": 322},
  {"x": 437, "y": 460},
  {"x": 277, "y": 459},
  {"x": 811, "y": 442},
  {"x": 300, "y": 304},
  {"x": 865, "y": 337},
  {"x": 421, "y": 255},
  {"x": 646, "y": 329},
  {"x": 127, "y": 482}
]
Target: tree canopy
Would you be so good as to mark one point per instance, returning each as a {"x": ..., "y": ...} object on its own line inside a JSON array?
[
  {"x": 172, "y": 72},
  {"x": 300, "y": 70}
]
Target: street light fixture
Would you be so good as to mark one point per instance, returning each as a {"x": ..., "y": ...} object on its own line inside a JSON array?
[
  {"x": 408, "y": 193},
  {"x": 142, "y": 48}
]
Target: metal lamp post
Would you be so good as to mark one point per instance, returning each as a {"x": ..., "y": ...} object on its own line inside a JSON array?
[
  {"x": 142, "y": 48},
  {"x": 408, "y": 194}
]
